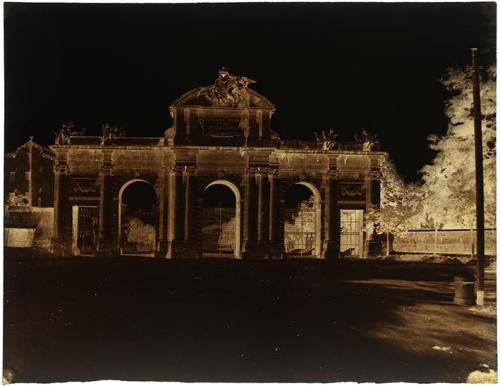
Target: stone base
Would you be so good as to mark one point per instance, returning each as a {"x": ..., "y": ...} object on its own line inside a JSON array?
[
  {"x": 264, "y": 250},
  {"x": 105, "y": 248},
  {"x": 374, "y": 248},
  {"x": 161, "y": 250},
  {"x": 59, "y": 248},
  {"x": 188, "y": 249},
  {"x": 330, "y": 250}
]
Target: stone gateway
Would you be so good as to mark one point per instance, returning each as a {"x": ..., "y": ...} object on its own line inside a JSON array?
[{"x": 220, "y": 182}]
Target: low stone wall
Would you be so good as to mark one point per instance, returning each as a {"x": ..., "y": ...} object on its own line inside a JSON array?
[
  {"x": 19, "y": 237},
  {"x": 29, "y": 228},
  {"x": 451, "y": 241}
]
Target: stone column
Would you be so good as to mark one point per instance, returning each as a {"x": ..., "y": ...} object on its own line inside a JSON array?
[
  {"x": 187, "y": 120},
  {"x": 368, "y": 200},
  {"x": 245, "y": 126},
  {"x": 258, "y": 178},
  {"x": 372, "y": 244},
  {"x": 104, "y": 243},
  {"x": 171, "y": 212},
  {"x": 274, "y": 220},
  {"x": 258, "y": 119},
  {"x": 185, "y": 178},
  {"x": 197, "y": 189},
  {"x": 60, "y": 240},
  {"x": 271, "y": 208},
  {"x": 161, "y": 249},
  {"x": 332, "y": 230},
  {"x": 189, "y": 245},
  {"x": 246, "y": 212},
  {"x": 280, "y": 225}
]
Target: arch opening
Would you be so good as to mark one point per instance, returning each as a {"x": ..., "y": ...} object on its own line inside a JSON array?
[
  {"x": 221, "y": 213},
  {"x": 137, "y": 218},
  {"x": 302, "y": 221}
]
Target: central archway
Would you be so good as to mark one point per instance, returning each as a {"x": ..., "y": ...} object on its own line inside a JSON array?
[
  {"x": 137, "y": 218},
  {"x": 221, "y": 220},
  {"x": 302, "y": 222}
]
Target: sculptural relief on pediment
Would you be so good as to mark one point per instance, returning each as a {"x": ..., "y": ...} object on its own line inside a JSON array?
[{"x": 228, "y": 90}]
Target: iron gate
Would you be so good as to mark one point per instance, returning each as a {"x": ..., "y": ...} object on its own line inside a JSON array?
[
  {"x": 88, "y": 230},
  {"x": 300, "y": 231},
  {"x": 219, "y": 231},
  {"x": 351, "y": 234}
]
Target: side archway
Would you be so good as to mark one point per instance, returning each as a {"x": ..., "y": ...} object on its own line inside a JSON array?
[
  {"x": 137, "y": 218},
  {"x": 302, "y": 222},
  {"x": 221, "y": 219}
]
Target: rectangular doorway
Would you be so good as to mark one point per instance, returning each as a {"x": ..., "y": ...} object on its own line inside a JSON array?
[
  {"x": 351, "y": 232},
  {"x": 85, "y": 230}
]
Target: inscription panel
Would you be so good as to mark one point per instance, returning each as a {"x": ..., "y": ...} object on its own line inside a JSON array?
[
  {"x": 352, "y": 191},
  {"x": 222, "y": 127}
]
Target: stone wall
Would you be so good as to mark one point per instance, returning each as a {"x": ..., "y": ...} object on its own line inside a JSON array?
[
  {"x": 45, "y": 227},
  {"x": 29, "y": 228}
]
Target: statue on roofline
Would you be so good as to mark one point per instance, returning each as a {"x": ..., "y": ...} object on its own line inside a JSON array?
[
  {"x": 110, "y": 132},
  {"x": 368, "y": 141},
  {"x": 274, "y": 138},
  {"x": 326, "y": 140},
  {"x": 68, "y": 129}
]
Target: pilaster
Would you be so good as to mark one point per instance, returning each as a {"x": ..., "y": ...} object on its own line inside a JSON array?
[
  {"x": 161, "y": 249},
  {"x": 171, "y": 212},
  {"x": 246, "y": 212},
  {"x": 258, "y": 178},
  {"x": 331, "y": 246},
  {"x": 273, "y": 214},
  {"x": 105, "y": 245},
  {"x": 61, "y": 242}
]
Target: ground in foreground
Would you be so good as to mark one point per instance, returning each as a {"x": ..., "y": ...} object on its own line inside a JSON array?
[{"x": 79, "y": 319}]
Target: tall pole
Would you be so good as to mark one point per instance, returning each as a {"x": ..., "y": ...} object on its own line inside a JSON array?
[{"x": 478, "y": 139}]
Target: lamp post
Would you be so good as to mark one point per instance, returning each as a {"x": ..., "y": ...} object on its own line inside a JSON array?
[{"x": 478, "y": 140}]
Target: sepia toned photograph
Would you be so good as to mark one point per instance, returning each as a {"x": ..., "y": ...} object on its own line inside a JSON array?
[{"x": 250, "y": 192}]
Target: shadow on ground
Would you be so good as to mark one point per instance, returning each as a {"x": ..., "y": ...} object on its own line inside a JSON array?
[{"x": 229, "y": 321}]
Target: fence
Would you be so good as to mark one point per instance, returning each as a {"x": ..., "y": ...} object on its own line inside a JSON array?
[
  {"x": 443, "y": 241},
  {"x": 218, "y": 232}
]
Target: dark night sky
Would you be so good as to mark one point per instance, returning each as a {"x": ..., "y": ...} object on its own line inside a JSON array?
[{"x": 345, "y": 66}]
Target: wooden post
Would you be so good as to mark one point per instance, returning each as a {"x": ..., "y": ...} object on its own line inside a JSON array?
[
  {"x": 435, "y": 240},
  {"x": 478, "y": 139}
]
